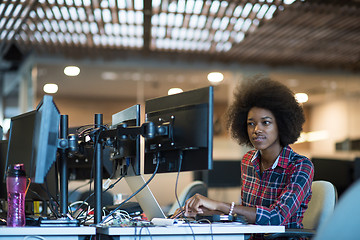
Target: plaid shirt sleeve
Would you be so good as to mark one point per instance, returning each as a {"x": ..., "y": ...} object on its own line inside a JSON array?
[{"x": 280, "y": 195}]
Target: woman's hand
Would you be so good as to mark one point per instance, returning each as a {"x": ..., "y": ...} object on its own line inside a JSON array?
[
  {"x": 199, "y": 204},
  {"x": 178, "y": 213}
]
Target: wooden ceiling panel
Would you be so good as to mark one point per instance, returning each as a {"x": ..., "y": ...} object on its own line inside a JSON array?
[{"x": 323, "y": 34}]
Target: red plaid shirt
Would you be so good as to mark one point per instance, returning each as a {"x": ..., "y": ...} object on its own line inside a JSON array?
[{"x": 282, "y": 193}]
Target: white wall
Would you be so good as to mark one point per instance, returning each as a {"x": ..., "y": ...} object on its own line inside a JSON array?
[{"x": 340, "y": 118}]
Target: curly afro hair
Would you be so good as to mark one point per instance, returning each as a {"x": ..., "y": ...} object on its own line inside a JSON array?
[{"x": 262, "y": 92}]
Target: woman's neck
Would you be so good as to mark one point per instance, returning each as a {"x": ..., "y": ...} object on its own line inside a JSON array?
[{"x": 268, "y": 157}]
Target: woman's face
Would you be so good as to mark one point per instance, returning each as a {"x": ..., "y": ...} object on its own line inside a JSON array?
[{"x": 262, "y": 129}]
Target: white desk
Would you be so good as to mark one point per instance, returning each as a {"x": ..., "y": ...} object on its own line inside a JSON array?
[
  {"x": 53, "y": 233},
  {"x": 199, "y": 231}
]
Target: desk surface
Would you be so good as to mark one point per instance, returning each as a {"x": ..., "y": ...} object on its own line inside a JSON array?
[
  {"x": 50, "y": 233},
  {"x": 183, "y": 229}
]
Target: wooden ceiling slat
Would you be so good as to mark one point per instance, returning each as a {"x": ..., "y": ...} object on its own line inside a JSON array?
[
  {"x": 38, "y": 21},
  {"x": 61, "y": 7},
  {"x": 99, "y": 22},
  {"x": 115, "y": 13},
  {"x": 8, "y": 18},
  {"x": 289, "y": 33},
  {"x": 306, "y": 32},
  {"x": 219, "y": 14},
  {"x": 147, "y": 26},
  {"x": 6, "y": 5},
  {"x": 89, "y": 35},
  {"x": 29, "y": 6},
  {"x": 64, "y": 43},
  {"x": 55, "y": 44}
]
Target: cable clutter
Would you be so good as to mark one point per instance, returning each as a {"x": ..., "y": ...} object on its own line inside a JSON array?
[{"x": 178, "y": 136}]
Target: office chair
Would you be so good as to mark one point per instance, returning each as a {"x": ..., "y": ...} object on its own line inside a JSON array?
[
  {"x": 320, "y": 208},
  {"x": 189, "y": 191},
  {"x": 344, "y": 223}
]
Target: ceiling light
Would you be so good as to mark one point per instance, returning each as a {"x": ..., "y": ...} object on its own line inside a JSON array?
[
  {"x": 215, "y": 77},
  {"x": 72, "y": 71},
  {"x": 109, "y": 75},
  {"x": 174, "y": 91},
  {"x": 301, "y": 97},
  {"x": 50, "y": 88}
]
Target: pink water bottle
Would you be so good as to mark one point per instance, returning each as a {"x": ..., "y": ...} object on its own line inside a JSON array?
[{"x": 16, "y": 188}]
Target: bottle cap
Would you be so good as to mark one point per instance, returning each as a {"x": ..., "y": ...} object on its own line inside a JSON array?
[{"x": 16, "y": 170}]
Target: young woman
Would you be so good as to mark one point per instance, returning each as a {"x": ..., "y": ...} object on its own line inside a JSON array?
[{"x": 276, "y": 181}]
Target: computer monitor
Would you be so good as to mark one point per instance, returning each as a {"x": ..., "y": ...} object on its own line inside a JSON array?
[
  {"x": 188, "y": 116},
  {"x": 225, "y": 174},
  {"x": 124, "y": 152},
  {"x": 20, "y": 145},
  {"x": 45, "y": 139},
  {"x": 127, "y": 148},
  {"x": 3, "y": 152},
  {"x": 80, "y": 164},
  {"x": 33, "y": 139},
  {"x": 37, "y": 192}
]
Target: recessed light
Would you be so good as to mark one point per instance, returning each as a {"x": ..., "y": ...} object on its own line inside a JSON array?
[
  {"x": 301, "y": 97},
  {"x": 173, "y": 91},
  {"x": 50, "y": 88},
  {"x": 215, "y": 77},
  {"x": 109, "y": 76},
  {"x": 71, "y": 71}
]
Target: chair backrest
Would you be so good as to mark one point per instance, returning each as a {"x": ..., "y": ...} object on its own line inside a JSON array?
[
  {"x": 344, "y": 223},
  {"x": 189, "y": 191},
  {"x": 321, "y": 205}
]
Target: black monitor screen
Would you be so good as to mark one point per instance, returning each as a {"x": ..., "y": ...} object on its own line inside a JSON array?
[
  {"x": 20, "y": 146},
  {"x": 33, "y": 139},
  {"x": 189, "y": 118},
  {"x": 127, "y": 150},
  {"x": 24, "y": 147},
  {"x": 3, "y": 151},
  {"x": 45, "y": 137},
  {"x": 36, "y": 192},
  {"x": 225, "y": 173}
]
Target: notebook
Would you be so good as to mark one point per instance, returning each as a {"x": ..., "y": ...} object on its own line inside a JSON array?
[{"x": 145, "y": 197}]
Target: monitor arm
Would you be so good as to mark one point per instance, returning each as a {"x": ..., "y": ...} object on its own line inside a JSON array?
[
  {"x": 147, "y": 130},
  {"x": 71, "y": 143}
]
